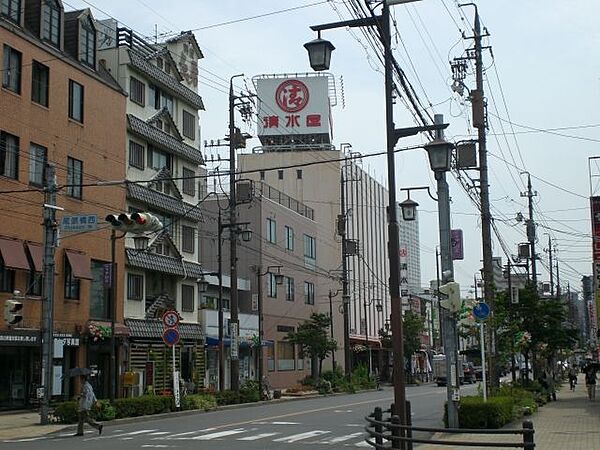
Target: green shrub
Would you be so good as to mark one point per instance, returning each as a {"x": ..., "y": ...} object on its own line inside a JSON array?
[
  {"x": 66, "y": 412},
  {"x": 324, "y": 387},
  {"x": 227, "y": 397},
  {"x": 473, "y": 412},
  {"x": 104, "y": 411},
  {"x": 308, "y": 381},
  {"x": 143, "y": 406},
  {"x": 249, "y": 392},
  {"x": 204, "y": 402}
]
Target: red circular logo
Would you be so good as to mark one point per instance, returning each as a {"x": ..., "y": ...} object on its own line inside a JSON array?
[{"x": 292, "y": 96}]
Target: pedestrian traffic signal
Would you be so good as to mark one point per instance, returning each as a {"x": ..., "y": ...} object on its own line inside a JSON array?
[
  {"x": 452, "y": 290},
  {"x": 13, "y": 311},
  {"x": 137, "y": 222}
]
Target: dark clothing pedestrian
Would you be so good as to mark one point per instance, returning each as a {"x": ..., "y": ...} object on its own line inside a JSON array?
[{"x": 87, "y": 399}]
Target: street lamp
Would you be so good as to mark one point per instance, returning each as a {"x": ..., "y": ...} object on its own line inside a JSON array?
[
  {"x": 409, "y": 209},
  {"x": 319, "y": 53},
  {"x": 440, "y": 154},
  {"x": 382, "y": 23}
]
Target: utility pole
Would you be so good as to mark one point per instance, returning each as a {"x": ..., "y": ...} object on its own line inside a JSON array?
[
  {"x": 345, "y": 294},
  {"x": 234, "y": 322},
  {"x": 550, "y": 265},
  {"x": 558, "y": 289},
  {"x": 331, "y": 295},
  {"x": 220, "y": 271},
  {"x": 437, "y": 273},
  {"x": 531, "y": 230},
  {"x": 48, "y": 291}
]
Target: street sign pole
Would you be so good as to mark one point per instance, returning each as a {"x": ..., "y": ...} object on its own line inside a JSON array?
[
  {"x": 175, "y": 382},
  {"x": 483, "y": 374}
]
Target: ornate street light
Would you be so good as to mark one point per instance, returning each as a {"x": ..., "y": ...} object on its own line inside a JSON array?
[
  {"x": 409, "y": 209},
  {"x": 440, "y": 154},
  {"x": 319, "y": 53}
]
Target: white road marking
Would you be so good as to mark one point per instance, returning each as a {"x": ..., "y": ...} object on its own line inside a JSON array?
[
  {"x": 341, "y": 438},
  {"x": 301, "y": 436},
  {"x": 362, "y": 444},
  {"x": 132, "y": 433},
  {"x": 355, "y": 424},
  {"x": 178, "y": 435},
  {"x": 285, "y": 423},
  {"x": 155, "y": 446},
  {"x": 257, "y": 436},
  {"x": 158, "y": 433},
  {"x": 343, "y": 411},
  {"x": 28, "y": 439},
  {"x": 208, "y": 437}
]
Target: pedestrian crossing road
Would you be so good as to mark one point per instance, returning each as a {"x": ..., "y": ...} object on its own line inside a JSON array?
[{"x": 280, "y": 433}]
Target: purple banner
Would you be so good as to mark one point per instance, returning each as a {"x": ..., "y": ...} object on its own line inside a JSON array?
[{"x": 456, "y": 238}]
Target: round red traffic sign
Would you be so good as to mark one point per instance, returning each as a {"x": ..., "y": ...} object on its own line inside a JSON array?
[
  {"x": 170, "y": 337},
  {"x": 170, "y": 319}
]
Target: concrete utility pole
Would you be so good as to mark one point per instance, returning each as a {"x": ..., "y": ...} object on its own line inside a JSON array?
[
  {"x": 550, "y": 265},
  {"x": 531, "y": 230},
  {"x": 48, "y": 291},
  {"x": 220, "y": 271},
  {"x": 342, "y": 222},
  {"x": 234, "y": 321}
]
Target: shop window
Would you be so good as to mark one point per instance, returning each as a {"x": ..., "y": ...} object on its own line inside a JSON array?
[
  {"x": 286, "y": 360},
  {"x": 271, "y": 358}
]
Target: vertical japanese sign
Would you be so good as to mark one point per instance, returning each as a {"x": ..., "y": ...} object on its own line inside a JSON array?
[
  {"x": 456, "y": 239},
  {"x": 404, "y": 291},
  {"x": 298, "y": 105},
  {"x": 594, "y": 307}
]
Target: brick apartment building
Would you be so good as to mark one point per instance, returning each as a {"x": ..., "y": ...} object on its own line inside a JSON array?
[{"x": 58, "y": 106}]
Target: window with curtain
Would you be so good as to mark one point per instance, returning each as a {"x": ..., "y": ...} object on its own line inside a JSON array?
[
  {"x": 9, "y": 155},
  {"x": 286, "y": 359},
  {"x": 11, "y": 69},
  {"x": 74, "y": 177},
  {"x": 51, "y": 22},
  {"x": 37, "y": 164},
  {"x": 40, "y": 75}
]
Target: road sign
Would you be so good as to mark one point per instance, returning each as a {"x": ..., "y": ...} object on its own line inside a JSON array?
[
  {"x": 233, "y": 331},
  {"x": 170, "y": 319},
  {"x": 170, "y": 336},
  {"x": 79, "y": 223},
  {"x": 481, "y": 311}
]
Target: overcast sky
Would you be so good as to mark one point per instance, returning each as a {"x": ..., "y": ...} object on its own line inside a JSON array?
[{"x": 544, "y": 75}]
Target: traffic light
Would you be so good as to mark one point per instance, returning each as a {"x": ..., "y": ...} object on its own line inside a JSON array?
[
  {"x": 13, "y": 311},
  {"x": 452, "y": 291},
  {"x": 135, "y": 223}
]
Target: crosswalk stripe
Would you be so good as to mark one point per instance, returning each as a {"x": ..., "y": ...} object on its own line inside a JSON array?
[
  {"x": 159, "y": 433},
  {"x": 257, "y": 436},
  {"x": 187, "y": 433},
  {"x": 208, "y": 437},
  {"x": 341, "y": 438},
  {"x": 132, "y": 433},
  {"x": 301, "y": 436},
  {"x": 362, "y": 444}
]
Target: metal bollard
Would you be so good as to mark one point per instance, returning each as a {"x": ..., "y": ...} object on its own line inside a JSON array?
[
  {"x": 378, "y": 427},
  {"x": 528, "y": 432},
  {"x": 396, "y": 432}
]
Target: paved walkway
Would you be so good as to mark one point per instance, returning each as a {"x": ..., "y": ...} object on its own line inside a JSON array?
[
  {"x": 24, "y": 424},
  {"x": 572, "y": 422}
]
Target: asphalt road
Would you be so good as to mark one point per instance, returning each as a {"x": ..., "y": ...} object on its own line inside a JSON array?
[{"x": 318, "y": 423}]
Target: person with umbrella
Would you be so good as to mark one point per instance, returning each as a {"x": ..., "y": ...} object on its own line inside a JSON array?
[{"x": 87, "y": 399}]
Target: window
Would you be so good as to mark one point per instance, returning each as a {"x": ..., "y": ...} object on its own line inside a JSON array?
[
  {"x": 11, "y": 69},
  {"x": 280, "y": 174},
  {"x": 157, "y": 159},
  {"x": 271, "y": 231},
  {"x": 262, "y": 175},
  {"x": 34, "y": 283},
  {"x": 272, "y": 285},
  {"x": 187, "y": 298},
  {"x": 286, "y": 360},
  {"x": 51, "y": 22},
  {"x": 289, "y": 289},
  {"x": 136, "y": 155},
  {"x": 7, "y": 279},
  {"x": 75, "y": 101},
  {"x": 37, "y": 164},
  {"x": 289, "y": 238},
  {"x": 87, "y": 43},
  {"x": 135, "y": 286},
  {"x": 188, "y": 239},
  {"x": 189, "y": 125},
  {"x": 300, "y": 363},
  {"x": 309, "y": 293},
  {"x": 299, "y": 174},
  {"x": 9, "y": 155},
  {"x": 137, "y": 91},
  {"x": 160, "y": 99},
  {"x": 189, "y": 182},
  {"x": 74, "y": 177},
  {"x": 72, "y": 284},
  {"x": 39, "y": 83},
  {"x": 99, "y": 292},
  {"x": 270, "y": 358},
  {"x": 11, "y": 9},
  {"x": 310, "y": 252}
]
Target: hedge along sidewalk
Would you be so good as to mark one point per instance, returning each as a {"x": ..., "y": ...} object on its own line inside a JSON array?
[{"x": 571, "y": 423}]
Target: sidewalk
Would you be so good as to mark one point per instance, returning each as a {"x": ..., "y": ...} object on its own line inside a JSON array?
[
  {"x": 25, "y": 424},
  {"x": 572, "y": 422}
]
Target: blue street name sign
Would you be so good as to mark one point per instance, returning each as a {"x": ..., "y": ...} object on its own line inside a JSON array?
[{"x": 481, "y": 311}]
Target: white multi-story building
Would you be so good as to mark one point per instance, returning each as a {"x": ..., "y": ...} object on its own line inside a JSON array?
[
  {"x": 161, "y": 81},
  {"x": 409, "y": 238}
]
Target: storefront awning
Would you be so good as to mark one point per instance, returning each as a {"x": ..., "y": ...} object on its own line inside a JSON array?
[
  {"x": 360, "y": 340},
  {"x": 80, "y": 264},
  {"x": 37, "y": 256},
  {"x": 13, "y": 254},
  {"x": 213, "y": 341}
]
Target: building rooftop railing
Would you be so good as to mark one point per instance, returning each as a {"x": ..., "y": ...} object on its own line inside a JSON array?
[{"x": 285, "y": 200}]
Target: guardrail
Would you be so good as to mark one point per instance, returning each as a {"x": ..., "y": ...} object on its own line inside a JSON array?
[{"x": 388, "y": 433}]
